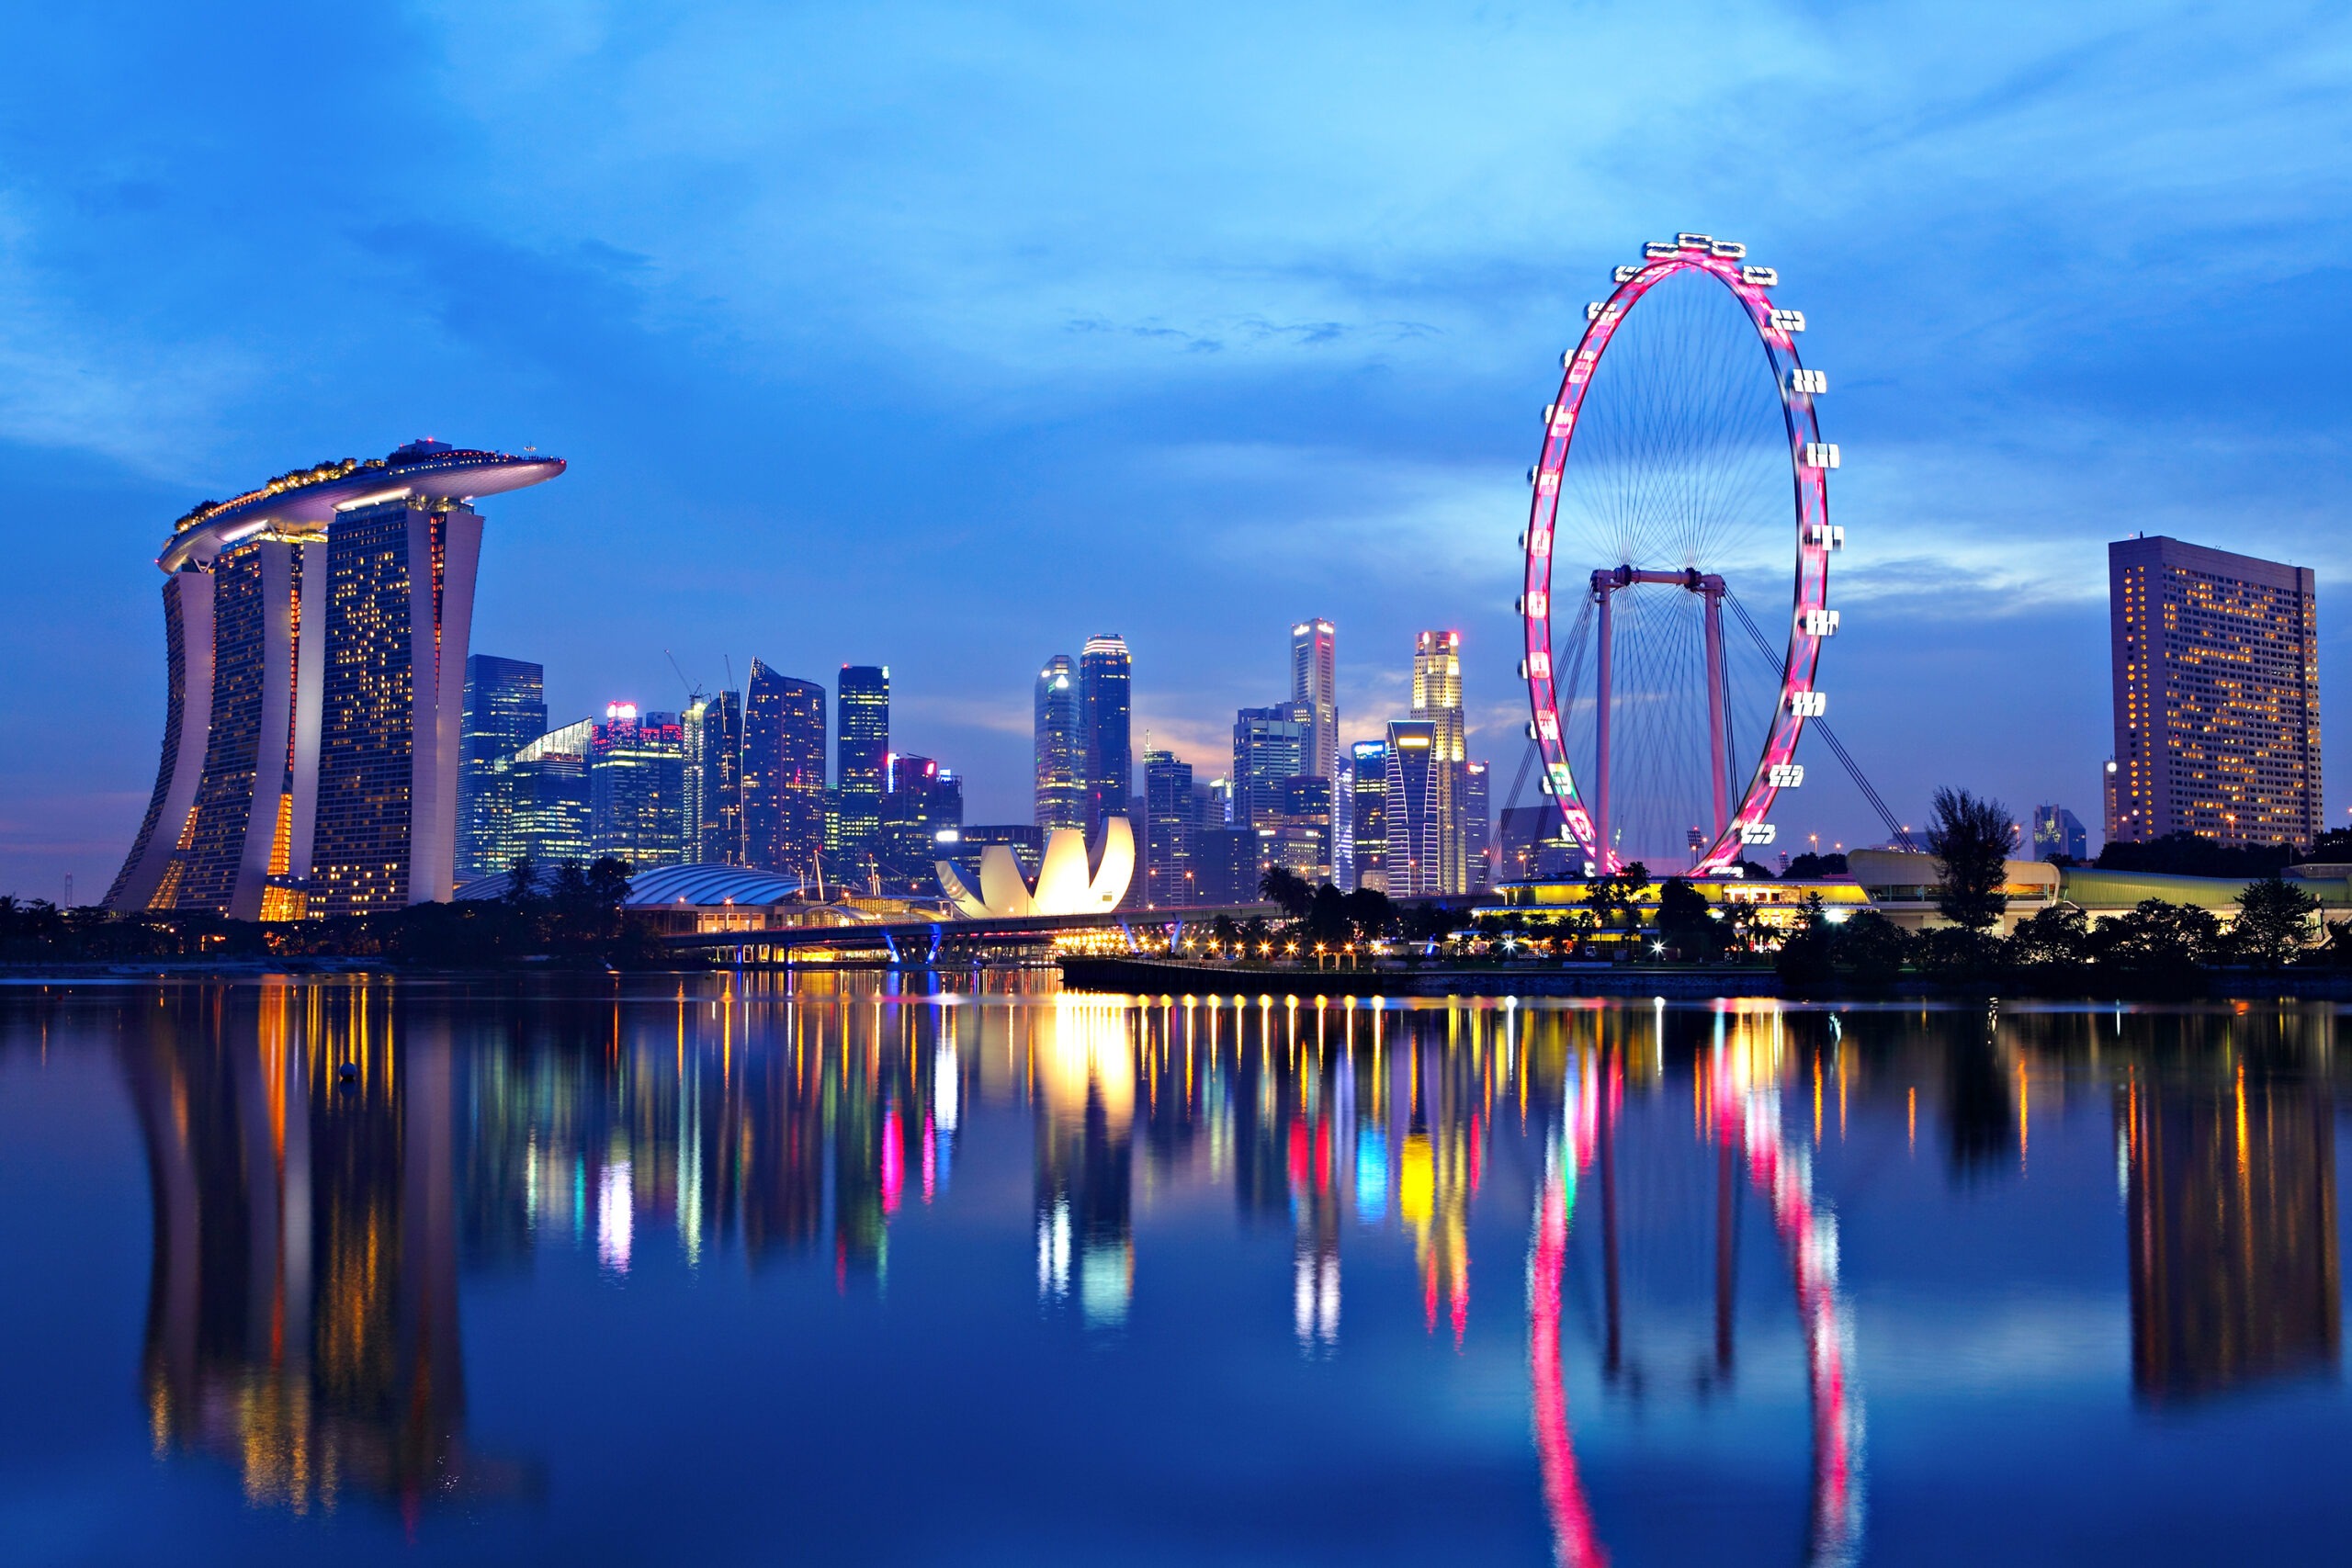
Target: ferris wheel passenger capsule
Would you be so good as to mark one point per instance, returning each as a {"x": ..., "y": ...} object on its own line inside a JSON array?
[
  {"x": 1821, "y": 454},
  {"x": 1813, "y": 383},
  {"x": 1788, "y": 321},
  {"x": 1761, "y": 276},
  {"x": 1689, "y": 242},
  {"x": 1661, "y": 250},
  {"x": 1757, "y": 832},
  {"x": 1626, "y": 274},
  {"x": 1728, "y": 250}
]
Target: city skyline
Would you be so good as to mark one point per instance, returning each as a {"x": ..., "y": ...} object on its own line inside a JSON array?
[{"x": 1306, "y": 403}]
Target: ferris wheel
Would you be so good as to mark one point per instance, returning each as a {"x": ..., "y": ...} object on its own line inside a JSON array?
[{"x": 1682, "y": 465}]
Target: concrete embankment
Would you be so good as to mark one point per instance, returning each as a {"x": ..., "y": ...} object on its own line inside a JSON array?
[{"x": 1153, "y": 977}]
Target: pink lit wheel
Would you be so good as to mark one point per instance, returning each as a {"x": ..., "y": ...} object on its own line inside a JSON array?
[{"x": 1679, "y": 466}]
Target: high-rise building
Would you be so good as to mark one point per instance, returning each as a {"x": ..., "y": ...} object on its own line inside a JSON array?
[
  {"x": 714, "y": 732},
  {"x": 1105, "y": 704},
  {"x": 546, "y": 779},
  {"x": 1314, "y": 681},
  {"x": 784, "y": 772},
  {"x": 2216, "y": 671},
  {"x": 636, "y": 774},
  {"x": 1302, "y": 824},
  {"x": 862, "y": 705},
  {"x": 1170, "y": 820},
  {"x": 1477, "y": 825},
  {"x": 924, "y": 800},
  {"x": 1269, "y": 746},
  {"x": 2058, "y": 831},
  {"x": 315, "y": 632},
  {"x": 1437, "y": 701},
  {"x": 1025, "y": 840},
  {"x": 1368, "y": 789},
  {"x": 1059, "y": 750},
  {"x": 505, "y": 709},
  {"x": 1413, "y": 804},
  {"x": 1229, "y": 863}
]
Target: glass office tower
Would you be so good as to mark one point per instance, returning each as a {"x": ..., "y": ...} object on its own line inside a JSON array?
[
  {"x": 504, "y": 710},
  {"x": 862, "y": 705},
  {"x": 784, "y": 772},
  {"x": 1059, "y": 746},
  {"x": 1105, "y": 706}
]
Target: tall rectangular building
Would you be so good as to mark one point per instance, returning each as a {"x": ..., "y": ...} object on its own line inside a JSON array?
[
  {"x": 714, "y": 733},
  {"x": 862, "y": 708},
  {"x": 1170, "y": 825},
  {"x": 1059, "y": 746},
  {"x": 547, "y": 779},
  {"x": 1315, "y": 681},
  {"x": 399, "y": 603},
  {"x": 1477, "y": 825},
  {"x": 505, "y": 710},
  {"x": 1437, "y": 702},
  {"x": 1268, "y": 748},
  {"x": 637, "y": 770},
  {"x": 1105, "y": 675},
  {"x": 2216, "y": 681},
  {"x": 1412, "y": 803},
  {"x": 784, "y": 772},
  {"x": 1368, "y": 790},
  {"x": 2058, "y": 831}
]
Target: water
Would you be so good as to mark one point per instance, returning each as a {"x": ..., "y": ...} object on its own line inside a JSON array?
[{"x": 620, "y": 1272}]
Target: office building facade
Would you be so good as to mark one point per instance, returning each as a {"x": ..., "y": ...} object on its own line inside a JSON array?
[
  {"x": 1106, "y": 681},
  {"x": 714, "y": 737},
  {"x": 862, "y": 710},
  {"x": 1059, "y": 746},
  {"x": 784, "y": 772},
  {"x": 1172, "y": 819},
  {"x": 1270, "y": 747},
  {"x": 924, "y": 801},
  {"x": 504, "y": 710},
  {"x": 2058, "y": 831},
  {"x": 549, "y": 821},
  {"x": 1228, "y": 864},
  {"x": 1437, "y": 702},
  {"x": 636, "y": 774},
  {"x": 2215, "y": 662},
  {"x": 315, "y": 637},
  {"x": 1412, "y": 804},
  {"x": 1477, "y": 825},
  {"x": 1368, "y": 797}
]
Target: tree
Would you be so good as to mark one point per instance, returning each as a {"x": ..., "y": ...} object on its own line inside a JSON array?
[
  {"x": 1284, "y": 886},
  {"x": 1804, "y": 960},
  {"x": 1371, "y": 914},
  {"x": 1606, "y": 896},
  {"x": 1969, "y": 837},
  {"x": 2055, "y": 940},
  {"x": 1687, "y": 922},
  {"x": 1809, "y": 866},
  {"x": 522, "y": 880},
  {"x": 2274, "y": 919},
  {"x": 1873, "y": 947},
  {"x": 2159, "y": 941}
]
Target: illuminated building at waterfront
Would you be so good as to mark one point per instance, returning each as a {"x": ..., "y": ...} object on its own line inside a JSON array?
[
  {"x": 1437, "y": 702},
  {"x": 783, "y": 772},
  {"x": 636, "y": 777},
  {"x": 315, "y": 632},
  {"x": 2216, "y": 684},
  {"x": 505, "y": 709},
  {"x": 1105, "y": 678},
  {"x": 1413, "y": 804},
  {"x": 862, "y": 701},
  {"x": 1368, "y": 793},
  {"x": 1170, "y": 820},
  {"x": 546, "y": 785},
  {"x": 1059, "y": 746}
]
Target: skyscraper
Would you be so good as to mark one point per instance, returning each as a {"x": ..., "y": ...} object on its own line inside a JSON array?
[
  {"x": 783, "y": 772},
  {"x": 1477, "y": 826},
  {"x": 924, "y": 800},
  {"x": 1104, "y": 673},
  {"x": 2058, "y": 831},
  {"x": 1269, "y": 746},
  {"x": 315, "y": 632},
  {"x": 1059, "y": 746},
  {"x": 1315, "y": 681},
  {"x": 505, "y": 709},
  {"x": 637, "y": 770},
  {"x": 2216, "y": 671},
  {"x": 1413, "y": 804},
  {"x": 1368, "y": 787},
  {"x": 1302, "y": 825},
  {"x": 863, "y": 711},
  {"x": 714, "y": 732},
  {"x": 1437, "y": 701},
  {"x": 1170, "y": 820},
  {"x": 547, "y": 779}
]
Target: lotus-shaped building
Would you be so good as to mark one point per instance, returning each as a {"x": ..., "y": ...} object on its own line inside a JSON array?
[{"x": 1065, "y": 886}]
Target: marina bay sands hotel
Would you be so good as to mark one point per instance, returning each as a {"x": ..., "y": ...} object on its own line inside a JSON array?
[{"x": 316, "y": 631}]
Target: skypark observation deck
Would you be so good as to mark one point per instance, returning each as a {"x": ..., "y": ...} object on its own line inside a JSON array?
[{"x": 315, "y": 634}]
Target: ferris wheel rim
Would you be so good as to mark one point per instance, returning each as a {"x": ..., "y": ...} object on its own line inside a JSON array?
[{"x": 1811, "y": 620}]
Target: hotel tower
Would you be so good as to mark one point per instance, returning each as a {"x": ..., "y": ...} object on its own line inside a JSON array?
[{"x": 315, "y": 634}]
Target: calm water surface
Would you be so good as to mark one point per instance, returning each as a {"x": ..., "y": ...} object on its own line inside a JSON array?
[{"x": 294, "y": 1271}]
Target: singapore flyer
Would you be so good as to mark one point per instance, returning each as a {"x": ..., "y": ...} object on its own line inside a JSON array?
[{"x": 1682, "y": 471}]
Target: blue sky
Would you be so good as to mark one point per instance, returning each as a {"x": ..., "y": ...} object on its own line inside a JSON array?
[{"x": 944, "y": 336}]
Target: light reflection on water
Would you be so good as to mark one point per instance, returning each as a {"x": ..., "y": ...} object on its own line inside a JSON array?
[{"x": 1606, "y": 1282}]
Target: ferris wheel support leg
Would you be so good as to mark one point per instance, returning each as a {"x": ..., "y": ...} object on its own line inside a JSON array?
[
  {"x": 1718, "y": 764},
  {"x": 1600, "y": 745}
]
